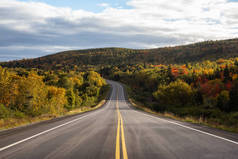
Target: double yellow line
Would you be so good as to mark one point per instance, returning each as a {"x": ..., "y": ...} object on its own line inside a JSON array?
[{"x": 120, "y": 127}]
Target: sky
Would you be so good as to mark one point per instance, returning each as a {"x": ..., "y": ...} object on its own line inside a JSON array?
[{"x": 33, "y": 28}]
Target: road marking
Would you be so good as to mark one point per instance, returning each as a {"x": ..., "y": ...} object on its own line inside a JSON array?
[
  {"x": 118, "y": 131},
  {"x": 46, "y": 131},
  {"x": 190, "y": 128},
  {"x": 118, "y": 138},
  {"x": 123, "y": 141},
  {"x": 187, "y": 127},
  {"x": 120, "y": 124},
  {"x": 203, "y": 132}
]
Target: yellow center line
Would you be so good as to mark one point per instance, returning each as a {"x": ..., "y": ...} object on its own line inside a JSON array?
[
  {"x": 123, "y": 141},
  {"x": 118, "y": 136},
  {"x": 120, "y": 125}
]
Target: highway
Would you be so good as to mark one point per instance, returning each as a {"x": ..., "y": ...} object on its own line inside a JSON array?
[{"x": 117, "y": 131}]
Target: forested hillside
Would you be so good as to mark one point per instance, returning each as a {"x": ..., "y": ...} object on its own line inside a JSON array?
[
  {"x": 198, "y": 81},
  {"x": 84, "y": 59},
  {"x": 206, "y": 91}
]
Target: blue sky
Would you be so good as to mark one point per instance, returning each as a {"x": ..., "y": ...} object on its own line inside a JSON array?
[
  {"x": 29, "y": 29},
  {"x": 89, "y": 5}
]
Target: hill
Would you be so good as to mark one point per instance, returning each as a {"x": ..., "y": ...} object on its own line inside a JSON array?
[{"x": 208, "y": 50}]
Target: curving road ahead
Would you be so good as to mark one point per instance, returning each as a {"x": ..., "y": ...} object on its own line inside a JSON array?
[{"x": 117, "y": 131}]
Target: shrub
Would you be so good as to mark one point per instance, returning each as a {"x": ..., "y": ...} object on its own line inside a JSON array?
[
  {"x": 56, "y": 100},
  {"x": 71, "y": 98},
  {"x": 18, "y": 114},
  {"x": 212, "y": 88},
  {"x": 234, "y": 97},
  {"x": 222, "y": 101},
  {"x": 177, "y": 93},
  {"x": 4, "y": 112},
  {"x": 32, "y": 95},
  {"x": 198, "y": 98}
]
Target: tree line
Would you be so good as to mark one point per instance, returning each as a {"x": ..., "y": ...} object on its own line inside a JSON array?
[
  {"x": 198, "y": 80},
  {"x": 34, "y": 92},
  {"x": 207, "y": 90},
  {"x": 91, "y": 58}
]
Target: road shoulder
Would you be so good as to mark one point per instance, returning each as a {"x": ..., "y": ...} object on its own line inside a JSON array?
[
  {"x": 200, "y": 127},
  {"x": 68, "y": 115}
]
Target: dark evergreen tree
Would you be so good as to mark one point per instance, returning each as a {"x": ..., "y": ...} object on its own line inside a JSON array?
[{"x": 234, "y": 97}]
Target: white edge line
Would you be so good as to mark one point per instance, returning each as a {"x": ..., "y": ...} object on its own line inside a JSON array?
[
  {"x": 187, "y": 127},
  {"x": 46, "y": 131},
  {"x": 41, "y": 133}
]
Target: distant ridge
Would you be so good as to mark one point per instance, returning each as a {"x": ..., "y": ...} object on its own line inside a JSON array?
[{"x": 208, "y": 50}]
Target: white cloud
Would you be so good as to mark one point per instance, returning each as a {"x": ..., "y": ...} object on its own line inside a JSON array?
[
  {"x": 104, "y": 5},
  {"x": 148, "y": 23}
]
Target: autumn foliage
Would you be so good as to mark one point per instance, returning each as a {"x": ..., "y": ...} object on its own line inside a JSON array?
[
  {"x": 35, "y": 92},
  {"x": 207, "y": 90}
]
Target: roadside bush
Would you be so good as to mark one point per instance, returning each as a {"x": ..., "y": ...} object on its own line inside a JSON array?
[
  {"x": 32, "y": 97},
  {"x": 18, "y": 114},
  {"x": 33, "y": 92},
  {"x": 159, "y": 108},
  {"x": 212, "y": 88},
  {"x": 71, "y": 99},
  {"x": 4, "y": 112},
  {"x": 198, "y": 98},
  {"x": 223, "y": 101},
  {"x": 234, "y": 97},
  {"x": 177, "y": 93},
  {"x": 56, "y": 100}
]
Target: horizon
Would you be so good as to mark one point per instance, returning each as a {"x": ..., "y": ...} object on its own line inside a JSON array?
[
  {"x": 114, "y": 48},
  {"x": 36, "y": 28}
]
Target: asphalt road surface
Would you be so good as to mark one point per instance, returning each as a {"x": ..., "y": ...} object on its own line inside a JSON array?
[{"x": 117, "y": 131}]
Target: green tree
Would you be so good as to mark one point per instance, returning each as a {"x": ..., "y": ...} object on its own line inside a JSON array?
[
  {"x": 234, "y": 97},
  {"x": 223, "y": 101},
  {"x": 65, "y": 82},
  {"x": 56, "y": 100},
  {"x": 177, "y": 93},
  {"x": 4, "y": 112},
  {"x": 71, "y": 98},
  {"x": 198, "y": 98},
  {"x": 227, "y": 74},
  {"x": 170, "y": 75}
]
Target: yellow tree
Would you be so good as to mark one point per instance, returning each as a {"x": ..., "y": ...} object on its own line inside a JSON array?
[{"x": 56, "y": 100}]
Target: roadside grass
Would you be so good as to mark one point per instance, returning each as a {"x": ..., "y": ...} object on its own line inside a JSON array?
[
  {"x": 8, "y": 123},
  {"x": 190, "y": 119}
]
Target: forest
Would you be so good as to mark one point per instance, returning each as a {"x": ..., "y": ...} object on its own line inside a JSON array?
[
  {"x": 86, "y": 59},
  {"x": 205, "y": 91},
  {"x": 29, "y": 93},
  {"x": 199, "y": 81}
]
